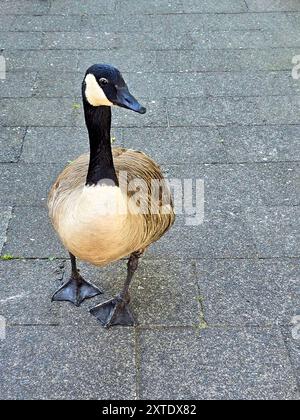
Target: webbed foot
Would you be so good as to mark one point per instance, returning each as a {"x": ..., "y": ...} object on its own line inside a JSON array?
[
  {"x": 76, "y": 290},
  {"x": 113, "y": 312}
]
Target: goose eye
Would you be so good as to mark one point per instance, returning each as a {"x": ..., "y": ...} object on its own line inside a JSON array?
[{"x": 103, "y": 81}]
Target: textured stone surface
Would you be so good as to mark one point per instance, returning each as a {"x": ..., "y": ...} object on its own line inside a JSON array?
[
  {"x": 11, "y": 140},
  {"x": 40, "y": 60},
  {"x": 224, "y": 234},
  {"x": 37, "y": 112},
  {"x": 248, "y": 144},
  {"x": 216, "y": 364},
  {"x": 18, "y": 7},
  {"x": 196, "y": 146},
  {"x": 249, "y": 292},
  {"x": 292, "y": 338},
  {"x": 25, "y": 282},
  {"x": 188, "y": 22},
  {"x": 43, "y": 362},
  {"x": 276, "y": 230},
  {"x": 30, "y": 235},
  {"x": 47, "y": 23},
  {"x": 247, "y": 39},
  {"x": 77, "y": 7},
  {"x": 273, "y": 5},
  {"x": 18, "y": 85},
  {"x": 111, "y": 40},
  {"x": 132, "y": 61},
  {"x": 279, "y": 184},
  {"x": 177, "y": 6},
  {"x": 6, "y": 22},
  {"x": 217, "y": 303},
  {"x": 17, "y": 41},
  {"x": 27, "y": 184},
  {"x": 236, "y": 110},
  {"x": 224, "y": 60},
  {"x": 5, "y": 213}
]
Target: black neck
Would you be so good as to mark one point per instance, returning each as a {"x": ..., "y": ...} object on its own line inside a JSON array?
[{"x": 101, "y": 167}]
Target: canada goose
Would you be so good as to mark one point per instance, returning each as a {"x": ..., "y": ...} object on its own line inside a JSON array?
[{"x": 86, "y": 199}]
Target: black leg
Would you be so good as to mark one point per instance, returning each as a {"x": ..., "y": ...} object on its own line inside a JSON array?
[
  {"x": 76, "y": 290},
  {"x": 116, "y": 311}
]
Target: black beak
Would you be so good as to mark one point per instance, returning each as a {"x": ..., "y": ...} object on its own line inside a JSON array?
[{"x": 126, "y": 100}]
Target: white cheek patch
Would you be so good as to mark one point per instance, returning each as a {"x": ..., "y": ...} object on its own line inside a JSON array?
[{"x": 93, "y": 92}]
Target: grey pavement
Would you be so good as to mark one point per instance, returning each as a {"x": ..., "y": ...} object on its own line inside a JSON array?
[{"x": 217, "y": 304}]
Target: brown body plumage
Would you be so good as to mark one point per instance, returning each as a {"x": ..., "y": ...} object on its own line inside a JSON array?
[{"x": 103, "y": 238}]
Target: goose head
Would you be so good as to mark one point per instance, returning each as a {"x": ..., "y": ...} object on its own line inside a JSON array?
[{"x": 104, "y": 85}]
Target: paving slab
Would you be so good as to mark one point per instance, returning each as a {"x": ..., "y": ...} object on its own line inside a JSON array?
[
  {"x": 273, "y": 5},
  {"x": 6, "y": 22},
  {"x": 76, "y": 7},
  {"x": 222, "y": 84},
  {"x": 25, "y": 282},
  {"x": 37, "y": 112},
  {"x": 11, "y": 140},
  {"x": 47, "y": 23},
  {"x": 261, "y": 144},
  {"x": 293, "y": 18},
  {"x": 178, "y": 6},
  {"x": 67, "y": 364},
  {"x": 40, "y": 60},
  {"x": 224, "y": 234},
  {"x": 245, "y": 40},
  {"x": 194, "y": 22},
  {"x": 275, "y": 230},
  {"x": 18, "y": 85},
  {"x": 292, "y": 339},
  {"x": 69, "y": 87},
  {"x": 17, "y": 40},
  {"x": 223, "y": 60},
  {"x": 216, "y": 364},
  {"x": 243, "y": 185},
  {"x": 5, "y": 213},
  {"x": 196, "y": 146},
  {"x": 160, "y": 23},
  {"x": 27, "y": 184},
  {"x": 245, "y": 21},
  {"x": 242, "y": 111},
  {"x": 52, "y": 145},
  {"x": 278, "y": 184},
  {"x": 119, "y": 23},
  {"x": 133, "y": 61},
  {"x": 112, "y": 40},
  {"x": 19, "y": 7},
  {"x": 30, "y": 235},
  {"x": 226, "y": 187},
  {"x": 171, "y": 40},
  {"x": 249, "y": 292}
]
